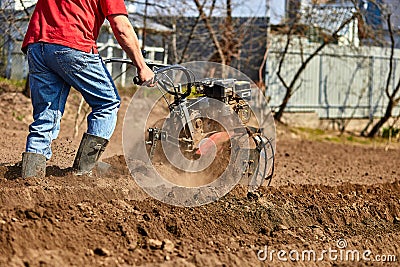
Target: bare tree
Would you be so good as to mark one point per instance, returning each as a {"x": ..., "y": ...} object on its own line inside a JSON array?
[
  {"x": 230, "y": 42},
  {"x": 192, "y": 32},
  {"x": 211, "y": 32},
  {"x": 393, "y": 96},
  {"x": 290, "y": 85}
]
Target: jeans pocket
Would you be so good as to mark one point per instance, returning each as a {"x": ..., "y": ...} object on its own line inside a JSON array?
[
  {"x": 71, "y": 60},
  {"x": 34, "y": 62}
]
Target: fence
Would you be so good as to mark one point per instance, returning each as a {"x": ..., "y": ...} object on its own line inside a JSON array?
[{"x": 338, "y": 83}]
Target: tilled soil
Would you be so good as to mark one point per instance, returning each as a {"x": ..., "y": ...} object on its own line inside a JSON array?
[{"x": 343, "y": 199}]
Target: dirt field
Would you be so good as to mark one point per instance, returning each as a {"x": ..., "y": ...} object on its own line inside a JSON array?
[{"x": 343, "y": 199}]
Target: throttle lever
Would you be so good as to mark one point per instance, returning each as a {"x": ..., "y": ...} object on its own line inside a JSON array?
[{"x": 136, "y": 80}]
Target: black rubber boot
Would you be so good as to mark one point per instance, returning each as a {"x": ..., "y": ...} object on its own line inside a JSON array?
[
  {"x": 88, "y": 154},
  {"x": 33, "y": 165}
]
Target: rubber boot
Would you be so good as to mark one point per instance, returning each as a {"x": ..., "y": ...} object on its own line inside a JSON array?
[
  {"x": 88, "y": 154},
  {"x": 33, "y": 165}
]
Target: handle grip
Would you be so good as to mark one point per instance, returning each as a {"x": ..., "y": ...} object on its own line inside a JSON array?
[{"x": 136, "y": 80}]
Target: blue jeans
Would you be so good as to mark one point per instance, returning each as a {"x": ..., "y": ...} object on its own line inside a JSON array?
[{"x": 53, "y": 69}]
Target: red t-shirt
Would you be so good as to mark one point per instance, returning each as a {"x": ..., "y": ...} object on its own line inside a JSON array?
[{"x": 72, "y": 23}]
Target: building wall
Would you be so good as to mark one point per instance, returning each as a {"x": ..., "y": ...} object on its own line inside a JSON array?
[
  {"x": 249, "y": 36},
  {"x": 340, "y": 82}
]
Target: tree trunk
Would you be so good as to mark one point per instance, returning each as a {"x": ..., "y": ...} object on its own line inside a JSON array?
[
  {"x": 393, "y": 101},
  {"x": 383, "y": 120},
  {"x": 278, "y": 115},
  {"x": 289, "y": 88},
  {"x": 214, "y": 38}
]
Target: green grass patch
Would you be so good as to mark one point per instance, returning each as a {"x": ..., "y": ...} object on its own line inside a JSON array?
[
  {"x": 335, "y": 137},
  {"x": 18, "y": 116},
  {"x": 7, "y": 85},
  {"x": 312, "y": 131}
]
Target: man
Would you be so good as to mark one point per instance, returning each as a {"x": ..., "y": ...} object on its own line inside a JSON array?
[{"x": 61, "y": 47}]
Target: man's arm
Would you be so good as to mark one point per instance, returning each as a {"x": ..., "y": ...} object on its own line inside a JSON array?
[{"x": 127, "y": 38}]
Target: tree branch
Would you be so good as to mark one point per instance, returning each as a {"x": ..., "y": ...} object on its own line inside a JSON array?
[
  {"x": 283, "y": 57},
  {"x": 192, "y": 31},
  {"x": 391, "y": 56},
  {"x": 303, "y": 66},
  {"x": 25, "y": 9},
  {"x": 319, "y": 49},
  {"x": 207, "y": 22}
]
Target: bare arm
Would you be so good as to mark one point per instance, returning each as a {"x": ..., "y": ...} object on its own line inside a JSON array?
[{"x": 127, "y": 38}]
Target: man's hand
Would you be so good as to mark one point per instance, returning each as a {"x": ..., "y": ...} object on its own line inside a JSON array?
[{"x": 146, "y": 76}]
